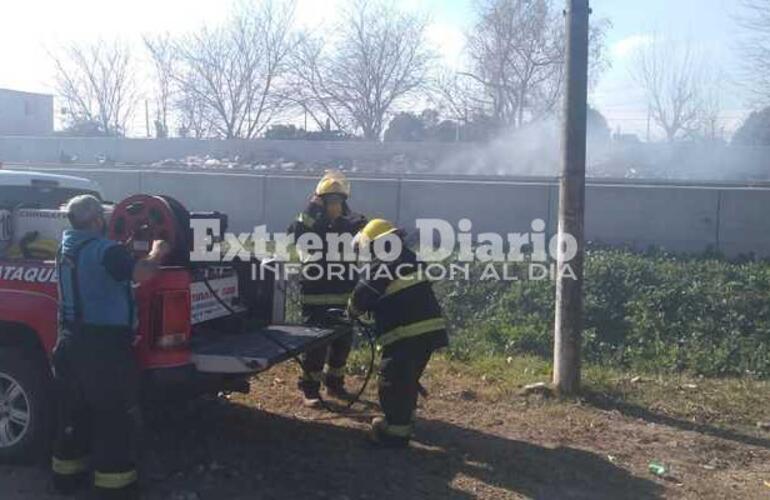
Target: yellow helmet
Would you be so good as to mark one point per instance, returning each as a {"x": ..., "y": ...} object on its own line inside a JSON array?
[
  {"x": 333, "y": 182},
  {"x": 375, "y": 228}
]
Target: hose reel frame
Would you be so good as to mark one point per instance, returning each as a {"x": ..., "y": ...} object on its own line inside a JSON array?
[{"x": 140, "y": 219}]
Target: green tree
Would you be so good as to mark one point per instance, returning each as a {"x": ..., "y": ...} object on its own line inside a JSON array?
[
  {"x": 598, "y": 129},
  {"x": 405, "y": 127},
  {"x": 284, "y": 132},
  {"x": 755, "y": 130}
]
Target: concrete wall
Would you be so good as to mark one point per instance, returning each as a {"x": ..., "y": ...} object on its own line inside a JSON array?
[
  {"x": 744, "y": 224},
  {"x": 678, "y": 219},
  {"x": 116, "y": 185},
  {"x": 681, "y": 219},
  {"x": 503, "y": 207},
  {"x": 239, "y": 196}
]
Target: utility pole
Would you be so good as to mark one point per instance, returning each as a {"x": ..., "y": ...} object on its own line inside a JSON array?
[
  {"x": 147, "y": 117},
  {"x": 649, "y": 119},
  {"x": 569, "y": 285}
]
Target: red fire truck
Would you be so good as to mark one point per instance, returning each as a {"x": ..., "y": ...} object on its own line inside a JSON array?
[{"x": 201, "y": 328}]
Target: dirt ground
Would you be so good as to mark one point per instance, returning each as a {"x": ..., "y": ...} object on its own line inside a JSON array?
[{"x": 470, "y": 443}]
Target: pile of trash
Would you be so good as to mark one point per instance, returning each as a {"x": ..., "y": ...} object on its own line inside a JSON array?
[
  {"x": 208, "y": 162},
  {"x": 398, "y": 164}
]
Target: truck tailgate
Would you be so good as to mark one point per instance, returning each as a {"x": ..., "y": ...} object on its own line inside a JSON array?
[{"x": 254, "y": 351}]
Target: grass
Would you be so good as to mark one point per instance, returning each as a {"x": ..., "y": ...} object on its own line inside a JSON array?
[
  {"x": 728, "y": 402},
  {"x": 735, "y": 403},
  {"x": 725, "y": 402},
  {"x": 673, "y": 337}
]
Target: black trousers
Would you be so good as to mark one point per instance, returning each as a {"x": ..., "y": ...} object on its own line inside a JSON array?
[
  {"x": 96, "y": 379},
  {"x": 401, "y": 367},
  {"x": 334, "y": 355}
]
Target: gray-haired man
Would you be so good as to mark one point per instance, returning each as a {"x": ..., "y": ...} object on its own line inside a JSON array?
[{"x": 94, "y": 366}]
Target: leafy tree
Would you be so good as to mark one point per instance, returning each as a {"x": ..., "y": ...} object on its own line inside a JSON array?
[
  {"x": 479, "y": 128},
  {"x": 445, "y": 131},
  {"x": 83, "y": 128},
  {"x": 755, "y": 130},
  {"x": 406, "y": 127},
  {"x": 598, "y": 129},
  {"x": 285, "y": 132}
]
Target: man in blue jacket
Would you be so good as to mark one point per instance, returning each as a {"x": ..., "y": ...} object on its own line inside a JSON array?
[{"x": 95, "y": 371}]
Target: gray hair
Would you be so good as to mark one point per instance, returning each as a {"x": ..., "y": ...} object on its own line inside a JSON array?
[{"x": 84, "y": 209}]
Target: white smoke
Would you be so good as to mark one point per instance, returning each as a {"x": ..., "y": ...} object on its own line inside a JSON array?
[{"x": 535, "y": 150}]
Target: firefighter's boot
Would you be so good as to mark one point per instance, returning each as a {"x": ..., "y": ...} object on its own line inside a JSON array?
[
  {"x": 310, "y": 386},
  {"x": 311, "y": 399},
  {"x": 334, "y": 380},
  {"x": 383, "y": 435}
]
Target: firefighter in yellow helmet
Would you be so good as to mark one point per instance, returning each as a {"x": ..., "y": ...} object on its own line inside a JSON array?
[
  {"x": 327, "y": 213},
  {"x": 409, "y": 325}
]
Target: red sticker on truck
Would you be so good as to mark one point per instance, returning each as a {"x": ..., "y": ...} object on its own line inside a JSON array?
[{"x": 206, "y": 306}]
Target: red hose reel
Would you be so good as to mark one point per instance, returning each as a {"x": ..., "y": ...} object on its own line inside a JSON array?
[{"x": 140, "y": 219}]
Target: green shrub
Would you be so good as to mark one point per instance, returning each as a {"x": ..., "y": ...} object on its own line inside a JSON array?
[{"x": 650, "y": 311}]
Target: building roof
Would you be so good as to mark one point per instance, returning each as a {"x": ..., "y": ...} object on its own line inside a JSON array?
[{"x": 24, "y": 93}]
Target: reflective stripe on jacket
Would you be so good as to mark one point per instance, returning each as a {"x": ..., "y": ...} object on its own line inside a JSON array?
[
  {"x": 325, "y": 289},
  {"x": 403, "y": 304}
]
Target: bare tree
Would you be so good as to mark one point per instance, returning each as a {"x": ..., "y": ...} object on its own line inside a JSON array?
[
  {"x": 516, "y": 49},
  {"x": 453, "y": 99},
  {"x": 229, "y": 75},
  {"x": 710, "y": 125},
  {"x": 161, "y": 51},
  {"x": 754, "y": 15},
  {"x": 673, "y": 77},
  {"x": 459, "y": 97},
  {"x": 312, "y": 87},
  {"x": 194, "y": 117},
  {"x": 97, "y": 85},
  {"x": 355, "y": 77}
]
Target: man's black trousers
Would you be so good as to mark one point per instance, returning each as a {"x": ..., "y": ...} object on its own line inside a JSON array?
[
  {"x": 96, "y": 379},
  {"x": 402, "y": 365}
]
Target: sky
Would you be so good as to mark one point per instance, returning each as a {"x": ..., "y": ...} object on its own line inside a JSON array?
[{"x": 30, "y": 29}]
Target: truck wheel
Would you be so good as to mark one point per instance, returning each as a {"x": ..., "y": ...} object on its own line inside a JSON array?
[{"x": 25, "y": 406}]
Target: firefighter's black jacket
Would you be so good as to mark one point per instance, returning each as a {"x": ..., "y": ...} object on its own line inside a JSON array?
[
  {"x": 402, "y": 301},
  {"x": 330, "y": 291}
]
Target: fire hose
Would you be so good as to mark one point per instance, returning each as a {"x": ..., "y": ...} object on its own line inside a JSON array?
[
  {"x": 363, "y": 327},
  {"x": 140, "y": 219}
]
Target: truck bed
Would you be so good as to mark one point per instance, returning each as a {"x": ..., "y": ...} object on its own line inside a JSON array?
[{"x": 256, "y": 349}]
